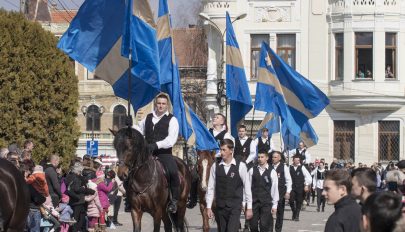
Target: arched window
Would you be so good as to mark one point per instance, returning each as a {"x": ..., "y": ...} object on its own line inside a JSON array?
[
  {"x": 93, "y": 116},
  {"x": 119, "y": 116}
]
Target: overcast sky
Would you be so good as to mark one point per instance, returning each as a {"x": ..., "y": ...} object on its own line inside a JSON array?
[{"x": 184, "y": 12}]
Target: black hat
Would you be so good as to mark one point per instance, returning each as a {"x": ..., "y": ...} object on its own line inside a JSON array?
[{"x": 401, "y": 164}]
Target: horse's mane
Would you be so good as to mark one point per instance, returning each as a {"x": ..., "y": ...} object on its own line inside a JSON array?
[{"x": 134, "y": 142}]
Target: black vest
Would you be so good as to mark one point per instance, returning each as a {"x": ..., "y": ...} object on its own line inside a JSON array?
[
  {"x": 158, "y": 132},
  {"x": 220, "y": 136},
  {"x": 240, "y": 152},
  {"x": 263, "y": 147},
  {"x": 282, "y": 189},
  {"x": 261, "y": 186},
  {"x": 301, "y": 155},
  {"x": 228, "y": 187},
  {"x": 320, "y": 175},
  {"x": 297, "y": 177}
]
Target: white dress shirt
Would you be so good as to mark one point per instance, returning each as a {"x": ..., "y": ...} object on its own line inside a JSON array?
[
  {"x": 264, "y": 141},
  {"x": 287, "y": 176},
  {"x": 274, "y": 182},
  {"x": 226, "y": 136},
  {"x": 247, "y": 188},
  {"x": 307, "y": 154},
  {"x": 171, "y": 138},
  {"x": 315, "y": 182},
  {"x": 307, "y": 175},
  {"x": 252, "y": 148}
]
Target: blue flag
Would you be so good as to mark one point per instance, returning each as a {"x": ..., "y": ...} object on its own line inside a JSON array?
[
  {"x": 269, "y": 96},
  {"x": 272, "y": 122},
  {"x": 303, "y": 98},
  {"x": 307, "y": 135},
  {"x": 237, "y": 89},
  {"x": 101, "y": 37},
  {"x": 191, "y": 128}
]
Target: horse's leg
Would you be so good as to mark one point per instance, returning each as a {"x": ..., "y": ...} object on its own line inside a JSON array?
[
  {"x": 157, "y": 218},
  {"x": 206, "y": 225},
  {"x": 136, "y": 219},
  {"x": 167, "y": 222}
]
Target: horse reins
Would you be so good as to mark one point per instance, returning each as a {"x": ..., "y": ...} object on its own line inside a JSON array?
[{"x": 153, "y": 176}]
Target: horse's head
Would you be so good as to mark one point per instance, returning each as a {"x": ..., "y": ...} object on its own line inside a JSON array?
[
  {"x": 131, "y": 150},
  {"x": 205, "y": 161}
]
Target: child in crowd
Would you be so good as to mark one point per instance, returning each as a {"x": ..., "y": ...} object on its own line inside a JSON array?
[
  {"x": 104, "y": 187},
  {"x": 65, "y": 213},
  {"x": 94, "y": 208}
]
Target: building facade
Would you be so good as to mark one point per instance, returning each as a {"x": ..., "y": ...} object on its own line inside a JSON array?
[{"x": 353, "y": 50}]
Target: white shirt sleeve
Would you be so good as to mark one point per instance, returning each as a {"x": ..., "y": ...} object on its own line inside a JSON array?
[
  {"x": 274, "y": 188},
  {"x": 315, "y": 178},
  {"x": 288, "y": 180},
  {"x": 229, "y": 136},
  {"x": 141, "y": 126},
  {"x": 308, "y": 177},
  {"x": 252, "y": 154},
  {"x": 307, "y": 157},
  {"x": 209, "y": 196},
  {"x": 272, "y": 148},
  {"x": 247, "y": 186},
  {"x": 171, "y": 138}
]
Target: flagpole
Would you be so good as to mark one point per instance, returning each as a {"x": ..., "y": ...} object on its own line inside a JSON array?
[
  {"x": 253, "y": 119},
  {"x": 129, "y": 118}
]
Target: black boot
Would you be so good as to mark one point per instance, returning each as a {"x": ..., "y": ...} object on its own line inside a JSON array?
[{"x": 192, "y": 202}]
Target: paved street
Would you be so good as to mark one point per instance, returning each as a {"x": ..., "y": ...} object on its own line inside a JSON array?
[{"x": 310, "y": 220}]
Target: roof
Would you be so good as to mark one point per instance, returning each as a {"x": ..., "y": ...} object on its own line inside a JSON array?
[
  {"x": 191, "y": 47},
  {"x": 62, "y": 16}
]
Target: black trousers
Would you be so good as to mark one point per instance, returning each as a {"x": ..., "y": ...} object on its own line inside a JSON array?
[
  {"x": 228, "y": 219},
  {"x": 262, "y": 218},
  {"x": 117, "y": 205},
  {"x": 79, "y": 214},
  {"x": 172, "y": 169},
  {"x": 296, "y": 199},
  {"x": 194, "y": 185},
  {"x": 280, "y": 214},
  {"x": 320, "y": 200}
]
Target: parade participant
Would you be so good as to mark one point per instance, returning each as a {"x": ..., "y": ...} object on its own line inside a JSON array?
[
  {"x": 229, "y": 185},
  {"x": 264, "y": 194},
  {"x": 317, "y": 185},
  {"x": 264, "y": 143},
  {"x": 364, "y": 183},
  {"x": 301, "y": 179},
  {"x": 245, "y": 149},
  {"x": 284, "y": 187},
  {"x": 336, "y": 189},
  {"x": 161, "y": 130},
  {"x": 380, "y": 212},
  {"x": 220, "y": 130},
  {"x": 302, "y": 152}
]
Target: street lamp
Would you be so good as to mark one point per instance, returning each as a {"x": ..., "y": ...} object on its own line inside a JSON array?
[
  {"x": 221, "y": 88},
  {"x": 92, "y": 115}
]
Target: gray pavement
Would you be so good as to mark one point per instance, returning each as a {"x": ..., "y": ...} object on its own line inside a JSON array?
[{"x": 310, "y": 220}]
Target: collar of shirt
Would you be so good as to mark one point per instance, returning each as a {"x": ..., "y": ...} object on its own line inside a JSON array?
[
  {"x": 161, "y": 116},
  {"x": 225, "y": 164},
  {"x": 244, "y": 138},
  {"x": 266, "y": 166},
  {"x": 264, "y": 139},
  {"x": 275, "y": 166},
  {"x": 215, "y": 132}
]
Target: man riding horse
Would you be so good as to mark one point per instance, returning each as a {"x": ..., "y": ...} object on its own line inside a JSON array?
[{"x": 161, "y": 130}]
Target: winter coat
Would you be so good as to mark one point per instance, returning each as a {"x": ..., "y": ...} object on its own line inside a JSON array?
[
  {"x": 65, "y": 212},
  {"x": 346, "y": 217},
  {"x": 77, "y": 189},
  {"x": 94, "y": 207},
  {"x": 103, "y": 191},
  {"x": 36, "y": 198},
  {"x": 53, "y": 181},
  {"x": 38, "y": 181}
]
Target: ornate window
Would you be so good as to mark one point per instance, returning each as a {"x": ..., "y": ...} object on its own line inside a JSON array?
[
  {"x": 364, "y": 55},
  {"x": 390, "y": 55},
  {"x": 286, "y": 48},
  {"x": 344, "y": 140},
  {"x": 255, "y": 45},
  {"x": 119, "y": 117},
  {"x": 339, "y": 58},
  {"x": 93, "y": 118},
  {"x": 388, "y": 140}
]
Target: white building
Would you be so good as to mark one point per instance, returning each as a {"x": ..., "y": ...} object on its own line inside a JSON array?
[{"x": 345, "y": 47}]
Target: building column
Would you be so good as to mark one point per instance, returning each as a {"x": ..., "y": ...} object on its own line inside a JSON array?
[
  {"x": 379, "y": 49},
  {"x": 348, "y": 50}
]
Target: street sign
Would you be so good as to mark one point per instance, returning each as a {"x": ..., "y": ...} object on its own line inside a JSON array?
[{"x": 92, "y": 148}]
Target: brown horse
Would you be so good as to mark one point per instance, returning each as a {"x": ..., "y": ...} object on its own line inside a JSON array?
[
  {"x": 15, "y": 198},
  {"x": 205, "y": 160},
  {"x": 147, "y": 188}
]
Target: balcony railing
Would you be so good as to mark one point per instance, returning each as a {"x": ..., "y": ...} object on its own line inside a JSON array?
[
  {"x": 364, "y": 6},
  {"x": 97, "y": 135},
  {"x": 213, "y": 6}
]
